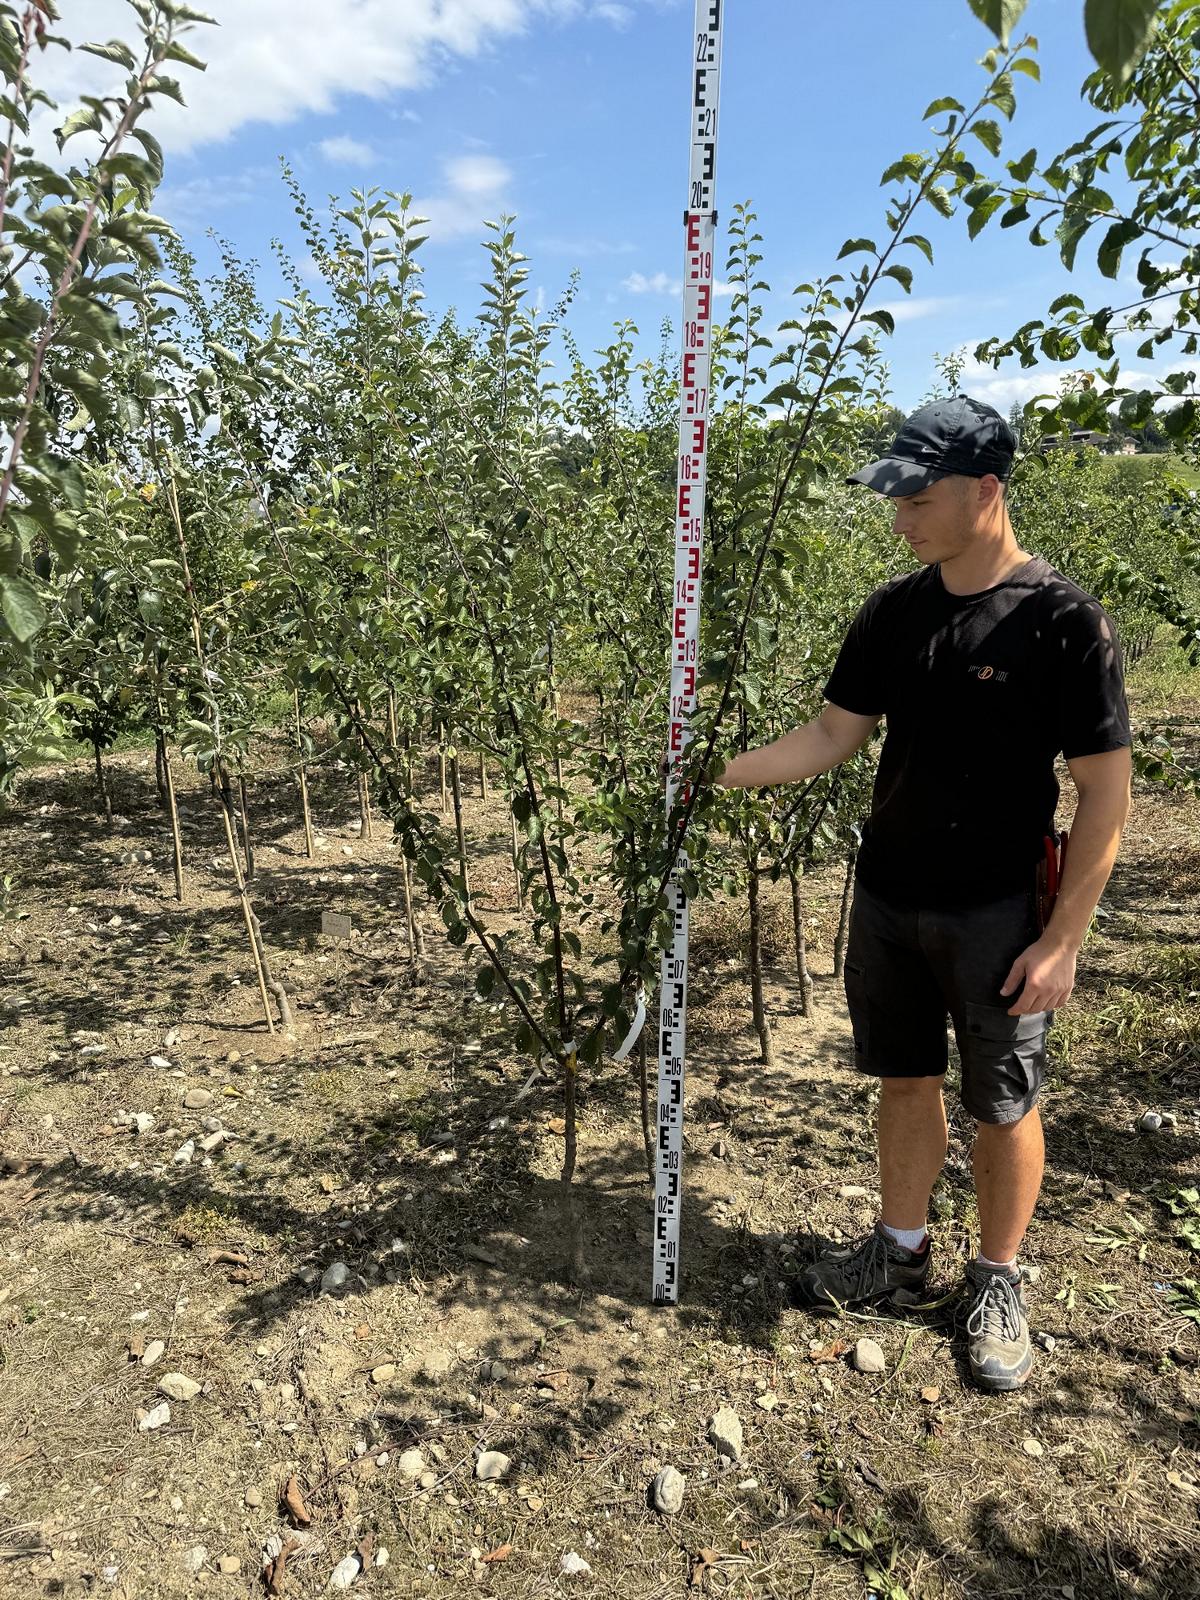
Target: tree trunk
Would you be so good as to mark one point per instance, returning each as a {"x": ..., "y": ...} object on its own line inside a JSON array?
[
  {"x": 803, "y": 976},
  {"x": 761, "y": 1025},
  {"x": 164, "y": 764},
  {"x": 456, "y": 790},
  {"x": 442, "y": 765},
  {"x": 409, "y": 919},
  {"x": 246, "y": 845},
  {"x": 393, "y": 733},
  {"x": 558, "y": 774},
  {"x": 302, "y": 773},
  {"x": 160, "y": 782},
  {"x": 575, "y": 1271},
  {"x": 102, "y": 784},
  {"x": 839, "y": 944},
  {"x": 647, "y": 1117},
  {"x": 516, "y": 864}
]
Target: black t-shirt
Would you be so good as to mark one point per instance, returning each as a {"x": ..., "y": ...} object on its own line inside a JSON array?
[{"x": 981, "y": 692}]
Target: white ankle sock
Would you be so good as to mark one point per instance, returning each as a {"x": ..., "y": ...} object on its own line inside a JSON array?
[
  {"x": 1007, "y": 1267},
  {"x": 906, "y": 1238}
]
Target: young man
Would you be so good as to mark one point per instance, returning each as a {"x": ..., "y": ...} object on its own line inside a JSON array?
[{"x": 986, "y": 663}]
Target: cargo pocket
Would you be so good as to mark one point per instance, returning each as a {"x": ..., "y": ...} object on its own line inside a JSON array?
[
  {"x": 1003, "y": 1061},
  {"x": 855, "y": 979}
]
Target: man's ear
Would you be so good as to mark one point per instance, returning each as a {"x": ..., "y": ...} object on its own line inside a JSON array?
[{"x": 989, "y": 492}]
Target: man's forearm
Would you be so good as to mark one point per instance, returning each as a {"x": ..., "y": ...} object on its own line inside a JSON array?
[
  {"x": 802, "y": 753},
  {"x": 1091, "y": 852}
]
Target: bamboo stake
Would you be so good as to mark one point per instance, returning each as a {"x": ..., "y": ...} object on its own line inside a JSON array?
[
  {"x": 222, "y": 791},
  {"x": 309, "y": 848},
  {"x": 226, "y": 799},
  {"x": 442, "y": 764},
  {"x": 456, "y": 790},
  {"x": 176, "y": 840},
  {"x": 246, "y": 845},
  {"x": 364, "y": 807}
]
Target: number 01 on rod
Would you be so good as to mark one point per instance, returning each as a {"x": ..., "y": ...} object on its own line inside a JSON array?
[{"x": 699, "y": 226}]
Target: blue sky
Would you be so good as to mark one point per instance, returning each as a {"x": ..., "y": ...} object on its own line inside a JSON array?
[{"x": 573, "y": 115}]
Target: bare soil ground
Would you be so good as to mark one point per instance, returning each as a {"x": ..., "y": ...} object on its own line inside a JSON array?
[{"x": 382, "y": 1133}]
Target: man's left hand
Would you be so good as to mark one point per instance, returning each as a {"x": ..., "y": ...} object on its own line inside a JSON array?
[{"x": 1049, "y": 974}]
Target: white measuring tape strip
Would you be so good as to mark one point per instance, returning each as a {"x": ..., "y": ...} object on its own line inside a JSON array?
[{"x": 700, "y": 229}]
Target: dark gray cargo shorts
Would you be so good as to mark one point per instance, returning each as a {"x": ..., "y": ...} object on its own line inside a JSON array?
[{"x": 905, "y": 970}]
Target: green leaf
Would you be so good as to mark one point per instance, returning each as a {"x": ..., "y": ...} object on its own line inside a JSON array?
[
  {"x": 21, "y": 607},
  {"x": 909, "y": 167},
  {"x": 982, "y": 214},
  {"x": 86, "y": 119},
  {"x": 1022, "y": 169},
  {"x": 1068, "y": 235},
  {"x": 1000, "y": 16},
  {"x": 1108, "y": 257},
  {"x": 114, "y": 50},
  {"x": 936, "y": 107},
  {"x": 922, "y": 244},
  {"x": 853, "y": 245},
  {"x": 1029, "y": 68},
  {"x": 1178, "y": 422},
  {"x": 1118, "y": 32},
  {"x": 882, "y": 319},
  {"x": 485, "y": 981},
  {"x": 1065, "y": 300},
  {"x": 176, "y": 52},
  {"x": 940, "y": 200},
  {"x": 989, "y": 135},
  {"x": 902, "y": 275}
]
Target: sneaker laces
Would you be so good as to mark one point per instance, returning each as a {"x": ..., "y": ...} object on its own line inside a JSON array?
[
  {"x": 996, "y": 1313},
  {"x": 870, "y": 1263}
]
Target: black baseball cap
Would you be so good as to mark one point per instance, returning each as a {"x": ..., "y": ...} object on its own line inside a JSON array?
[{"x": 959, "y": 437}]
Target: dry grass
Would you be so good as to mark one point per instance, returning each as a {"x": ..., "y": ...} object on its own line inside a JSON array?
[{"x": 848, "y": 1484}]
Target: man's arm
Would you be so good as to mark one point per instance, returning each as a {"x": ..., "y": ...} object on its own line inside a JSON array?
[
  {"x": 1048, "y": 966},
  {"x": 815, "y": 747}
]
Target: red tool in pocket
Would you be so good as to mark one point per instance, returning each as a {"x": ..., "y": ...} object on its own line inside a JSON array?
[{"x": 1049, "y": 876}]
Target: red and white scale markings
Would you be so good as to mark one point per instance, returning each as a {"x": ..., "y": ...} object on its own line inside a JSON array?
[{"x": 700, "y": 226}]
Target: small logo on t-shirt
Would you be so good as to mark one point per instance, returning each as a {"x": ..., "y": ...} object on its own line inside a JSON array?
[{"x": 983, "y": 673}]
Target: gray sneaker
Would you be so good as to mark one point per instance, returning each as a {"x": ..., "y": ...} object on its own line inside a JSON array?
[
  {"x": 874, "y": 1269},
  {"x": 998, "y": 1346}
]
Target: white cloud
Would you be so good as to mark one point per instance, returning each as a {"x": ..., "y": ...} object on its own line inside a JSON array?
[
  {"x": 193, "y": 201},
  {"x": 657, "y": 283},
  {"x": 584, "y": 247},
  {"x": 476, "y": 188},
  {"x": 620, "y": 16},
  {"x": 664, "y": 283},
  {"x": 272, "y": 61},
  {"x": 913, "y": 308},
  {"x": 346, "y": 151}
]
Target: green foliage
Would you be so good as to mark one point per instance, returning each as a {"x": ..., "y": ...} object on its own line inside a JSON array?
[
  {"x": 1118, "y": 33},
  {"x": 1128, "y": 184},
  {"x": 75, "y": 238}
]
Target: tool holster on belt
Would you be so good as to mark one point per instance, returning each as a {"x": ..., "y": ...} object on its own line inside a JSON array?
[{"x": 1049, "y": 876}]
